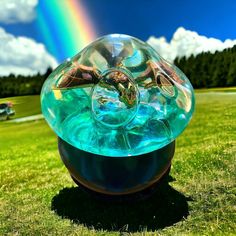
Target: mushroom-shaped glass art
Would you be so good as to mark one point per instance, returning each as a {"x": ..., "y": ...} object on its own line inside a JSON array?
[{"x": 117, "y": 99}]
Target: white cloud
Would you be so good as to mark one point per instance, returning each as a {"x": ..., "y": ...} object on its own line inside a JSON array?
[
  {"x": 21, "y": 55},
  {"x": 13, "y": 11},
  {"x": 185, "y": 43}
]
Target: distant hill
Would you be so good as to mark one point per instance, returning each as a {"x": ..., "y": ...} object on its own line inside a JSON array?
[{"x": 208, "y": 70}]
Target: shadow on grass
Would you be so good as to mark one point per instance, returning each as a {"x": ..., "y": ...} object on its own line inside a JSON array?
[{"x": 163, "y": 208}]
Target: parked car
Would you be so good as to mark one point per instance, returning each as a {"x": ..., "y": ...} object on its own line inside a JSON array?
[{"x": 6, "y": 111}]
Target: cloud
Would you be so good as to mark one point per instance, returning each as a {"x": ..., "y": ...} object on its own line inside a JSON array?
[
  {"x": 185, "y": 43},
  {"x": 21, "y": 55},
  {"x": 14, "y": 11}
]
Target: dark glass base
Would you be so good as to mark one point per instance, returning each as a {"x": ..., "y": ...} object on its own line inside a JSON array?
[
  {"x": 113, "y": 177},
  {"x": 136, "y": 196}
]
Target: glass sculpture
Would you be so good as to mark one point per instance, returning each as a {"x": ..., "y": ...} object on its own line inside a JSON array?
[{"x": 117, "y": 98}]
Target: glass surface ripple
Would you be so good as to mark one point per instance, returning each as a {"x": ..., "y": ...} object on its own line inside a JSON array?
[{"x": 117, "y": 97}]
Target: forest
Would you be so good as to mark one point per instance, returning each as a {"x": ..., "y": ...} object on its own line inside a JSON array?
[
  {"x": 13, "y": 85},
  {"x": 206, "y": 70}
]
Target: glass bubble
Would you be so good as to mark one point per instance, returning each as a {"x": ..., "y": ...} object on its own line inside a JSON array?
[{"x": 117, "y": 97}]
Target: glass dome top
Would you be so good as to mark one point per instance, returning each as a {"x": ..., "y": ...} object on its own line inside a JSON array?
[{"x": 117, "y": 97}]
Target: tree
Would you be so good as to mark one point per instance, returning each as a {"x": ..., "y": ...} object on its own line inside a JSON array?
[
  {"x": 208, "y": 70},
  {"x": 22, "y": 85}
]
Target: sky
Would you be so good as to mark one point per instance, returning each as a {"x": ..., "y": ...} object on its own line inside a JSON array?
[{"x": 35, "y": 34}]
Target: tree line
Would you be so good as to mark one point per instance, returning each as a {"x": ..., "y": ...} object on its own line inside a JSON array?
[
  {"x": 17, "y": 85},
  {"x": 208, "y": 70}
]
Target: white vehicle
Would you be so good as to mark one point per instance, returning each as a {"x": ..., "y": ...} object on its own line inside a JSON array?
[{"x": 6, "y": 111}]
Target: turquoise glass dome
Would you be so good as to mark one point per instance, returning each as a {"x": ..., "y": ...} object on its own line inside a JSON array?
[{"x": 117, "y": 97}]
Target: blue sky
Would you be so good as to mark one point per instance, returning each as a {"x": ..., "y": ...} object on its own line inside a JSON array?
[
  {"x": 142, "y": 18},
  {"x": 213, "y": 18},
  {"x": 139, "y": 18}
]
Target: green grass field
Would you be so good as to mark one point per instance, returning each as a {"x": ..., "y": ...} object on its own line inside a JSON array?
[{"x": 37, "y": 196}]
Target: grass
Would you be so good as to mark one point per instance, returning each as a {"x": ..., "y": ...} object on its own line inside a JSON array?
[
  {"x": 37, "y": 196},
  {"x": 226, "y": 89}
]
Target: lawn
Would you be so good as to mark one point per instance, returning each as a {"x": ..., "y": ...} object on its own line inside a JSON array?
[{"x": 37, "y": 196}]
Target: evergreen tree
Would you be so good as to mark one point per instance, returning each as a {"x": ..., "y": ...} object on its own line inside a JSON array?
[
  {"x": 22, "y": 85},
  {"x": 207, "y": 70}
]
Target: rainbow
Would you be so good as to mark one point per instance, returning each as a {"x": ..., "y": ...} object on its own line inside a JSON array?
[{"x": 65, "y": 27}]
